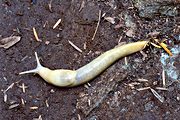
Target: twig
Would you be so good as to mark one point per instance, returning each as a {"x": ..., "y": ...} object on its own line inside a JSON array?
[
  {"x": 23, "y": 87},
  {"x": 145, "y": 88},
  {"x": 125, "y": 60},
  {"x": 163, "y": 78},
  {"x": 4, "y": 92},
  {"x": 120, "y": 38},
  {"x": 5, "y": 97},
  {"x": 36, "y": 35},
  {"x": 57, "y": 23},
  {"x": 5, "y": 78},
  {"x": 9, "y": 87},
  {"x": 89, "y": 84},
  {"x": 159, "y": 97},
  {"x": 34, "y": 108},
  {"x": 24, "y": 58},
  {"x": 22, "y": 101},
  {"x": 82, "y": 5},
  {"x": 162, "y": 88},
  {"x": 74, "y": 46},
  {"x": 47, "y": 104},
  {"x": 50, "y": 6},
  {"x": 45, "y": 24},
  {"x": 89, "y": 102},
  {"x": 85, "y": 46},
  {"x": 97, "y": 25},
  {"x": 142, "y": 80},
  {"x": 13, "y": 106}
]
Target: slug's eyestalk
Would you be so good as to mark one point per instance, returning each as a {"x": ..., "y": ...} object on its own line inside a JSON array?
[{"x": 36, "y": 70}]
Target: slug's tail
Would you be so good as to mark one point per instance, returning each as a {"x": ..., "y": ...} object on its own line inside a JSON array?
[{"x": 36, "y": 70}]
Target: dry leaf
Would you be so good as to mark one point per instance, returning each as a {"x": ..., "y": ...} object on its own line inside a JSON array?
[
  {"x": 9, "y": 41},
  {"x": 110, "y": 19}
]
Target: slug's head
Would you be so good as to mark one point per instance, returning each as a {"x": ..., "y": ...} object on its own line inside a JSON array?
[
  {"x": 36, "y": 70},
  {"x": 59, "y": 77}
]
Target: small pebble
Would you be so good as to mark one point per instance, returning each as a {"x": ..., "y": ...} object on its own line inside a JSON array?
[
  {"x": 178, "y": 97},
  {"x": 58, "y": 35}
]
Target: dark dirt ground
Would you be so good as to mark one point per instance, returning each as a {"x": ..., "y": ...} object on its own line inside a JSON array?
[{"x": 121, "y": 100}]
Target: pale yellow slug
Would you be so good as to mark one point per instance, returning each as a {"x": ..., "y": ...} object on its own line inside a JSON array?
[{"x": 70, "y": 78}]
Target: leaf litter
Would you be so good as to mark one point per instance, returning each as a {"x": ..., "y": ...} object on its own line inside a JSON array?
[{"x": 9, "y": 41}]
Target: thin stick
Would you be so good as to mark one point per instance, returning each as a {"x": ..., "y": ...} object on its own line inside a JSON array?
[
  {"x": 36, "y": 35},
  {"x": 74, "y": 46},
  {"x": 159, "y": 97},
  {"x": 97, "y": 25},
  {"x": 145, "y": 88},
  {"x": 125, "y": 60},
  {"x": 13, "y": 106},
  {"x": 57, "y": 23},
  {"x": 9, "y": 87},
  {"x": 162, "y": 88},
  {"x": 5, "y": 97},
  {"x": 47, "y": 104},
  {"x": 50, "y": 6},
  {"x": 82, "y": 5},
  {"x": 22, "y": 101},
  {"x": 33, "y": 107},
  {"x": 23, "y": 87},
  {"x": 142, "y": 80},
  {"x": 163, "y": 78}
]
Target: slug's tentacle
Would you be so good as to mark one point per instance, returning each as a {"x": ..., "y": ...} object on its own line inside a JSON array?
[
  {"x": 39, "y": 66},
  {"x": 70, "y": 78}
]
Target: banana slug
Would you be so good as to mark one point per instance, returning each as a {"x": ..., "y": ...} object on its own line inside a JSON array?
[{"x": 70, "y": 78}]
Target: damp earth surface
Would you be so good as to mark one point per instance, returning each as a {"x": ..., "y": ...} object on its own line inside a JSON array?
[{"x": 142, "y": 86}]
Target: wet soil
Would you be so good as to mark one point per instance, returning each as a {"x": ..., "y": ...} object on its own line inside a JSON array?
[{"x": 79, "y": 20}]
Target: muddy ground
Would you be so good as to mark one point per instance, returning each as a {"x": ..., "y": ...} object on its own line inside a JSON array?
[{"x": 113, "y": 94}]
